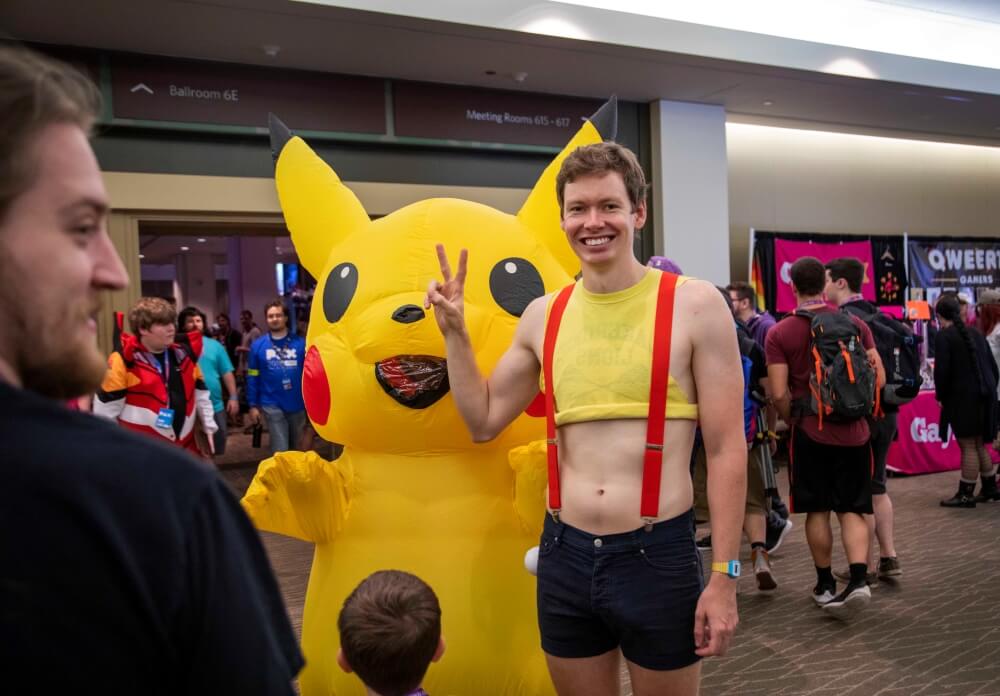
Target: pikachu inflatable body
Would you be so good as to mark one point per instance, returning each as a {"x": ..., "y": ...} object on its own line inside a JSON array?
[{"x": 411, "y": 490}]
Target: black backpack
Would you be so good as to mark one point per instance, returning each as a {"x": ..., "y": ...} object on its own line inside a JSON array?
[
  {"x": 897, "y": 345},
  {"x": 842, "y": 383}
]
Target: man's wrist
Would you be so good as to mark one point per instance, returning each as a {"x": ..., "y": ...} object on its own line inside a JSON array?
[
  {"x": 722, "y": 579},
  {"x": 730, "y": 569}
]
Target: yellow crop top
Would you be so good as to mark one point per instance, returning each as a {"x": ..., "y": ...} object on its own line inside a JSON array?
[{"x": 603, "y": 354}]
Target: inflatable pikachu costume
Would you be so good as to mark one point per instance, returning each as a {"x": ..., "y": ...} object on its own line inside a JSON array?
[{"x": 411, "y": 490}]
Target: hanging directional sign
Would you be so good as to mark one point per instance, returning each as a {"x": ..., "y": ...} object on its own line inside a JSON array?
[
  {"x": 162, "y": 89},
  {"x": 462, "y": 113}
]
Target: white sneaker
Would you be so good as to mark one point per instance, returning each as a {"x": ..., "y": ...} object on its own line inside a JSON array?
[
  {"x": 822, "y": 594},
  {"x": 849, "y": 602}
]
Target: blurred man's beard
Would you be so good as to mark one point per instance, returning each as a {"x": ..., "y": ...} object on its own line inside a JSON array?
[
  {"x": 46, "y": 350},
  {"x": 62, "y": 371}
]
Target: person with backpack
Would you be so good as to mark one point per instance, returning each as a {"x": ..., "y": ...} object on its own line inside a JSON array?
[
  {"x": 760, "y": 469},
  {"x": 823, "y": 371},
  {"x": 743, "y": 301},
  {"x": 965, "y": 382},
  {"x": 897, "y": 348}
]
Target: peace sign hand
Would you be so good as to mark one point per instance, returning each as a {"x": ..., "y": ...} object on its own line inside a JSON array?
[{"x": 448, "y": 297}]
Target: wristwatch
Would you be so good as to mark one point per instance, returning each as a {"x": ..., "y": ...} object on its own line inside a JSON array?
[{"x": 730, "y": 568}]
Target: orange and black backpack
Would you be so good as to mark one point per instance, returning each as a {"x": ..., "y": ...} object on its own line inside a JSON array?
[{"x": 842, "y": 383}]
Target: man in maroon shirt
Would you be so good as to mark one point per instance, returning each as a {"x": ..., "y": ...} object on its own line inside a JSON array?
[{"x": 830, "y": 466}]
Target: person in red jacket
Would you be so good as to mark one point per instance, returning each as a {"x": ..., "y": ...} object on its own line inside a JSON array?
[{"x": 153, "y": 384}]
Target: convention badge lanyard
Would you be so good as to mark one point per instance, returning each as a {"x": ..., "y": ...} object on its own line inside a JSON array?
[
  {"x": 165, "y": 418},
  {"x": 286, "y": 380},
  {"x": 652, "y": 464},
  {"x": 811, "y": 304}
]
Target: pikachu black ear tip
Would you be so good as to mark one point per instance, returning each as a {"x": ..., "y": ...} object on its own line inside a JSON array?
[
  {"x": 280, "y": 135},
  {"x": 605, "y": 119}
]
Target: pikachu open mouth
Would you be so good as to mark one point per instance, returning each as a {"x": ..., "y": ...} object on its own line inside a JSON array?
[{"x": 415, "y": 381}]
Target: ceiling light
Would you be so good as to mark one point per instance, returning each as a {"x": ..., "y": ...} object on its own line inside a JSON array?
[
  {"x": 142, "y": 256},
  {"x": 851, "y": 67},
  {"x": 767, "y": 102},
  {"x": 555, "y": 26},
  {"x": 185, "y": 248},
  {"x": 202, "y": 240},
  {"x": 271, "y": 50}
]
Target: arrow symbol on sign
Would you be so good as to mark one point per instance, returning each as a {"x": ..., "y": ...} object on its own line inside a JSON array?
[{"x": 141, "y": 87}]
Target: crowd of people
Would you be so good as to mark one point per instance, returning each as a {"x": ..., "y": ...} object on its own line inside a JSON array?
[{"x": 151, "y": 578}]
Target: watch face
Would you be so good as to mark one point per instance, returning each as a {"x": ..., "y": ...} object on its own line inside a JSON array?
[{"x": 734, "y": 569}]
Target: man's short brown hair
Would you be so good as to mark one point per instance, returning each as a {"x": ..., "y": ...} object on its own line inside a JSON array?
[
  {"x": 148, "y": 311},
  {"x": 808, "y": 276},
  {"x": 599, "y": 159},
  {"x": 850, "y": 269},
  {"x": 390, "y": 628},
  {"x": 36, "y": 92},
  {"x": 274, "y": 303},
  {"x": 744, "y": 291}
]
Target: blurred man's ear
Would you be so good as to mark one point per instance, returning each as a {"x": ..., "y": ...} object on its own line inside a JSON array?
[
  {"x": 440, "y": 650},
  {"x": 342, "y": 661}
]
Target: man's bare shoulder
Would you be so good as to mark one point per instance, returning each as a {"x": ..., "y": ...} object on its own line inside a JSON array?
[
  {"x": 696, "y": 297},
  {"x": 531, "y": 328}
]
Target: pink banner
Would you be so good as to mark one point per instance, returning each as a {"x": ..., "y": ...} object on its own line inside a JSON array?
[
  {"x": 787, "y": 252},
  {"x": 921, "y": 448}
]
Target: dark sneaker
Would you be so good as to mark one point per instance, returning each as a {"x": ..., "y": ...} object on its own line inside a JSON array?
[
  {"x": 705, "y": 543},
  {"x": 778, "y": 506},
  {"x": 849, "y": 602},
  {"x": 776, "y": 535},
  {"x": 824, "y": 593},
  {"x": 889, "y": 567},
  {"x": 762, "y": 570},
  {"x": 870, "y": 578}
]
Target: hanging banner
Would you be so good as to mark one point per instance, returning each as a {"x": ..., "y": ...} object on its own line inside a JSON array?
[
  {"x": 890, "y": 271},
  {"x": 954, "y": 265},
  {"x": 787, "y": 252}
]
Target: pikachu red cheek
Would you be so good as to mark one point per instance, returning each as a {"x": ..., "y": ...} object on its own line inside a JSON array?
[{"x": 316, "y": 388}]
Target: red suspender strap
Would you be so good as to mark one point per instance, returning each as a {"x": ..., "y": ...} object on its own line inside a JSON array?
[
  {"x": 548, "y": 351},
  {"x": 652, "y": 462}
]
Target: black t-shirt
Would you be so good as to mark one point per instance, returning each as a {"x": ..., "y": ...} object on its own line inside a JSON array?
[
  {"x": 127, "y": 566},
  {"x": 175, "y": 389},
  {"x": 232, "y": 341}
]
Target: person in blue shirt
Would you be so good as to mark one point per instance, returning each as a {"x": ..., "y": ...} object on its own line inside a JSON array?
[
  {"x": 274, "y": 380},
  {"x": 216, "y": 370}
]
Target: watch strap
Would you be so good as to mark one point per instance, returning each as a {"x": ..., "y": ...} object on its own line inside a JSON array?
[{"x": 730, "y": 568}]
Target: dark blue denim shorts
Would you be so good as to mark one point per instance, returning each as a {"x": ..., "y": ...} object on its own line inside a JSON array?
[{"x": 636, "y": 590}]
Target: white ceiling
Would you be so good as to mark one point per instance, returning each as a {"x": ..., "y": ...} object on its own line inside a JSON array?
[
  {"x": 335, "y": 39},
  {"x": 982, "y": 10}
]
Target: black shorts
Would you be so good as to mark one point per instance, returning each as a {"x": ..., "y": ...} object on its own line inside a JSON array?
[
  {"x": 883, "y": 433},
  {"x": 828, "y": 478},
  {"x": 636, "y": 590}
]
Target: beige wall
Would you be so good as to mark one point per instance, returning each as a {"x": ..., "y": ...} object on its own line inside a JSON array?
[
  {"x": 788, "y": 180},
  {"x": 248, "y": 196}
]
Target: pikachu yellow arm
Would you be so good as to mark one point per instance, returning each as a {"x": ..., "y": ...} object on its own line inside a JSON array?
[
  {"x": 529, "y": 463},
  {"x": 300, "y": 494}
]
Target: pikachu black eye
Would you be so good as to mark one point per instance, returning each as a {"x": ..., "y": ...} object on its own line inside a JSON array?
[
  {"x": 340, "y": 287},
  {"x": 514, "y": 283}
]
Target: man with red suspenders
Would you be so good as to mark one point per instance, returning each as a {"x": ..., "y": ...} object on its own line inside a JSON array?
[{"x": 624, "y": 387}]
